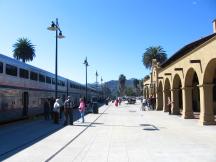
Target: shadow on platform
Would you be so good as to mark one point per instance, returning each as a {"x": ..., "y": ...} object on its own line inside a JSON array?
[{"x": 15, "y": 137}]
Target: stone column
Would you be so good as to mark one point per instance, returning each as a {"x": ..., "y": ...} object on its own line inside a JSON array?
[
  {"x": 187, "y": 112},
  {"x": 175, "y": 98},
  {"x": 165, "y": 99},
  {"x": 206, "y": 104},
  {"x": 159, "y": 100}
]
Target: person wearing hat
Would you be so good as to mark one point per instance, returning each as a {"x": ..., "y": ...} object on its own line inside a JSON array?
[{"x": 68, "y": 111}]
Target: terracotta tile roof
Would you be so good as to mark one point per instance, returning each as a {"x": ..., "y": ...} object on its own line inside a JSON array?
[{"x": 183, "y": 51}]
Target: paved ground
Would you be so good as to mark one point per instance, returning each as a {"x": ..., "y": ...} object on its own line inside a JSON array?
[{"x": 123, "y": 134}]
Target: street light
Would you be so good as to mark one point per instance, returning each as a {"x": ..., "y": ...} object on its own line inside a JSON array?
[
  {"x": 86, "y": 64},
  {"x": 102, "y": 86},
  {"x": 55, "y": 27},
  {"x": 96, "y": 74}
]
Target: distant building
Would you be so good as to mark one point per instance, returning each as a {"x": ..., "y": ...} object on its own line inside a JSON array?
[{"x": 189, "y": 78}]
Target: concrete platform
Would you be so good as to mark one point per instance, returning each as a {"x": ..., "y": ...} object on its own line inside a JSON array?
[{"x": 123, "y": 134}]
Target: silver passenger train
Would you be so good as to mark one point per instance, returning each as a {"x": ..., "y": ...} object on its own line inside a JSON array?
[{"x": 23, "y": 89}]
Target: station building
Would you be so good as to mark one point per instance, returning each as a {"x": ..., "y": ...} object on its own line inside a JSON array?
[{"x": 189, "y": 78}]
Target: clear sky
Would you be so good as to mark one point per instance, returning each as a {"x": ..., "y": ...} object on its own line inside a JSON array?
[{"x": 113, "y": 34}]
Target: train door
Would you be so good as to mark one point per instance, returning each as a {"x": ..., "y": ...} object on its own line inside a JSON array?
[{"x": 25, "y": 99}]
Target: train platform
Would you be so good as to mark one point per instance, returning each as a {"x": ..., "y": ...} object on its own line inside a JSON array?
[{"x": 122, "y": 134}]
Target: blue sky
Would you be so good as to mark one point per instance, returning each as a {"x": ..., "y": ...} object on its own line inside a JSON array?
[{"x": 113, "y": 34}]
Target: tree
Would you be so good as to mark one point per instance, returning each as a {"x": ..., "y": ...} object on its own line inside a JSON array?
[
  {"x": 122, "y": 80},
  {"x": 135, "y": 83},
  {"x": 24, "y": 50},
  {"x": 153, "y": 53},
  {"x": 141, "y": 86},
  {"x": 146, "y": 77},
  {"x": 129, "y": 91}
]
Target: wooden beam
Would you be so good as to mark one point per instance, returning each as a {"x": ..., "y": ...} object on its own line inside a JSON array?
[
  {"x": 195, "y": 61},
  {"x": 178, "y": 69}
]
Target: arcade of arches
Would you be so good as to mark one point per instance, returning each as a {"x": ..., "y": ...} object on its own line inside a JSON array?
[{"x": 189, "y": 79}]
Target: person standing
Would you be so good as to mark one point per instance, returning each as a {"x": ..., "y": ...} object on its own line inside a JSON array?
[
  {"x": 116, "y": 102},
  {"x": 56, "y": 111},
  {"x": 169, "y": 105},
  {"x": 51, "y": 103},
  {"x": 68, "y": 111},
  {"x": 82, "y": 109},
  {"x": 46, "y": 109},
  {"x": 61, "y": 103}
]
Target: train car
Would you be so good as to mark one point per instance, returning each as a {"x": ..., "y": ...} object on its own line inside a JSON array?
[{"x": 24, "y": 88}]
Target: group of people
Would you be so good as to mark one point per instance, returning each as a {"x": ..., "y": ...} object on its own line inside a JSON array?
[
  {"x": 58, "y": 107},
  {"x": 117, "y": 101},
  {"x": 148, "y": 103}
]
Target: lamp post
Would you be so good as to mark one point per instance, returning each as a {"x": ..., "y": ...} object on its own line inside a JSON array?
[
  {"x": 96, "y": 74},
  {"x": 86, "y": 64},
  {"x": 55, "y": 27},
  {"x": 102, "y": 87}
]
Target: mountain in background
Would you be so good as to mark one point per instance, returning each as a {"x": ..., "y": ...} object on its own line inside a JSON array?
[{"x": 114, "y": 84}]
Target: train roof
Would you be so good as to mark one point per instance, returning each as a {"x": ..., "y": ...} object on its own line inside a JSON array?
[{"x": 20, "y": 64}]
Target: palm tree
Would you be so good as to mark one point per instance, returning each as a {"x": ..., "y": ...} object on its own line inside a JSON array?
[
  {"x": 24, "y": 50},
  {"x": 141, "y": 86},
  {"x": 153, "y": 53},
  {"x": 122, "y": 80},
  {"x": 135, "y": 83}
]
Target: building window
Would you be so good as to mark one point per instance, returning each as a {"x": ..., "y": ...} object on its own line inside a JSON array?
[
  {"x": 33, "y": 76},
  {"x": 23, "y": 73},
  {"x": 41, "y": 78},
  {"x": 48, "y": 80},
  {"x": 1, "y": 67},
  {"x": 11, "y": 70}
]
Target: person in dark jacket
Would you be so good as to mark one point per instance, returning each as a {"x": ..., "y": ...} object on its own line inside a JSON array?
[
  {"x": 68, "y": 111},
  {"x": 46, "y": 109}
]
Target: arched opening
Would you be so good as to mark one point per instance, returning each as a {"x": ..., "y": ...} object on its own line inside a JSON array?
[
  {"x": 192, "y": 93},
  {"x": 147, "y": 92},
  {"x": 177, "y": 95},
  {"x": 144, "y": 92},
  {"x": 195, "y": 94},
  {"x": 160, "y": 96},
  {"x": 167, "y": 94},
  {"x": 209, "y": 83}
]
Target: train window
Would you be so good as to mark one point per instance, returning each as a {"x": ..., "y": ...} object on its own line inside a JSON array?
[
  {"x": 41, "y": 78},
  {"x": 11, "y": 70},
  {"x": 23, "y": 73},
  {"x": 33, "y": 76},
  {"x": 63, "y": 83},
  {"x": 71, "y": 85},
  {"x": 59, "y": 82},
  {"x": 53, "y": 80},
  {"x": 48, "y": 80},
  {"x": 1, "y": 67}
]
